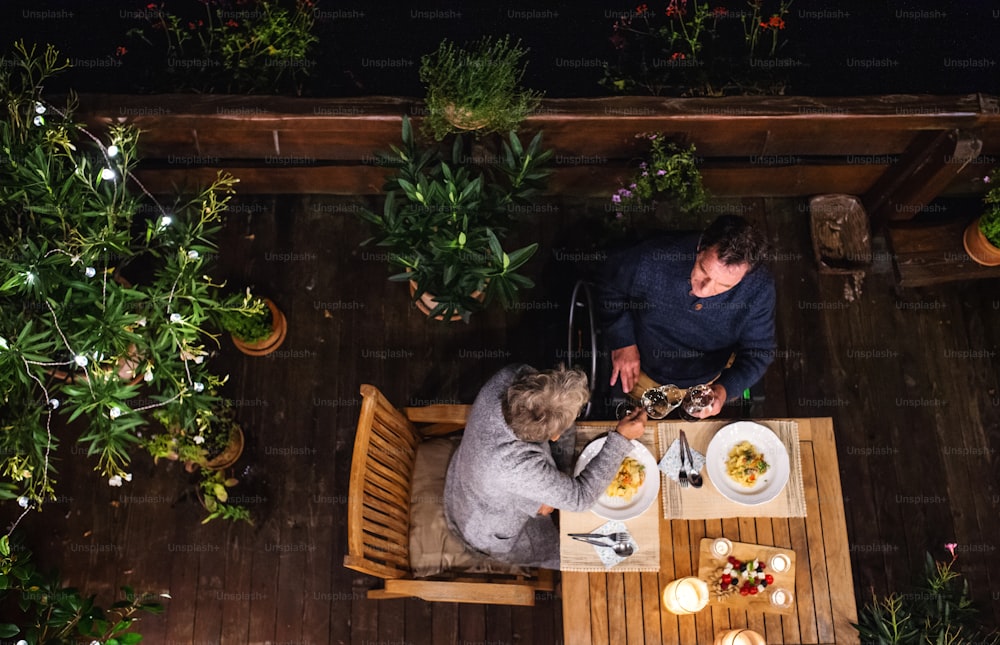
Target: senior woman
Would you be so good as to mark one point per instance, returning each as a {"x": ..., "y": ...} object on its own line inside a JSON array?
[{"x": 503, "y": 482}]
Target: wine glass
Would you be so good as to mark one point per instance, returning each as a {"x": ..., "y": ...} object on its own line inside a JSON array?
[{"x": 697, "y": 399}]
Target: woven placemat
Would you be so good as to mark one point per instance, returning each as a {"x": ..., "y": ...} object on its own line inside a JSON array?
[
  {"x": 644, "y": 529},
  {"x": 706, "y": 502}
]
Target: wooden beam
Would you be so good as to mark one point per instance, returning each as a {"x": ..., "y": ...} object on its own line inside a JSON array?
[
  {"x": 930, "y": 163},
  {"x": 925, "y": 255}
]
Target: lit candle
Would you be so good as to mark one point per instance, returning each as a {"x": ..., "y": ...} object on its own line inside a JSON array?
[
  {"x": 685, "y": 595},
  {"x": 779, "y": 563},
  {"x": 781, "y": 598},
  {"x": 740, "y": 637},
  {"x": 722, "y": 547}
]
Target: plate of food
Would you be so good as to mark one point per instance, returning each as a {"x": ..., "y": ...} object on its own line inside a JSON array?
[
  {"x": 635, "y": 484},
  {"x": 747, "y": 463}
]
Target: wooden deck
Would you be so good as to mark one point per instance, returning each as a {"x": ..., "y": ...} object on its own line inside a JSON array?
[{"x": 910, "y": 378}]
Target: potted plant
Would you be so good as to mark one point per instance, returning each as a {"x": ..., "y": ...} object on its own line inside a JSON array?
[
  {"x": 938, "y": 611},
  {"x": 443, "y": 222},
  {"x": 256, "y": 326},
  {"x": 982, "y": 236},
  {"x": 476, "y": 88},
  {"x": 70, "y": 224},
  {"x": 665, "y": 184}
]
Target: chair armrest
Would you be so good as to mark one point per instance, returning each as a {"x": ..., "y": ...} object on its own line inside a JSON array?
[
  {"x": 486, "y": 593},
  {"x": 439, "y": 413}
]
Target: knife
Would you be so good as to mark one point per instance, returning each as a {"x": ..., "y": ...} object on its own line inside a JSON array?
[
  {"x": 587, "y": 535},
  {"x": 591, "y": 541}
]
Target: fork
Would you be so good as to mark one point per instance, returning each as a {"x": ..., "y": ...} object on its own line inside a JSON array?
[
  {"x": 614, "y": 537},
  {"x": 682, "y": 476}
]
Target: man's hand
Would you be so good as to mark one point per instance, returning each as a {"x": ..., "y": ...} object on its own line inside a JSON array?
[
  {"x": 633, "y": 425},
  {"x": 717, "y": 402},
  {"x": 625, "y": 363},
  {"x": 545, "y": 510}
]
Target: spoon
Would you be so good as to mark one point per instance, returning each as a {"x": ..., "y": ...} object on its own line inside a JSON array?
[
  {"x": 623, "y": 549},
  {"x": 694, "y": 477}
]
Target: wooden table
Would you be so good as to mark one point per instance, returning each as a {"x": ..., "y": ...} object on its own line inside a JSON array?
[{"x": 613, "y": 608}]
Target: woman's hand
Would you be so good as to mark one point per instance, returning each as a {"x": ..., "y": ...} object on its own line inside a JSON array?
[
  {"x": 633, "y": 425},
  {"x": 545, "y": 510}
]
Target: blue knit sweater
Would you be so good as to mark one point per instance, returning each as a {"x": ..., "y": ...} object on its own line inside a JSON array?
[{"x": 645, "y": 300}]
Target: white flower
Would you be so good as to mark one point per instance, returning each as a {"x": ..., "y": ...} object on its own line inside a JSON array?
[
  {"x": 80, "y": 360},
  {"x": 24, "y": 642},
  {"x": 115, "y": 412},
  {"x": 128, "y": 477},
  {"x": 112, "y": 150},
  {"x": 3, "y": 343},
  {"x": 141, "y": 322},
  {"x": 90, "y": 272},
  {"x": 115, "y": 481},
  {"x": 199, "y": 359},
  {"x": 54, "y": 403},
  {"x": 193, "y": 255},
  {"x": 22, "y": 501},
  {"x": 199, "y": 387},
  {"x": 107, "y": 174},
  {"x": 39, "y": 120},
  {"x": 39, "y": 108},
  {"x": 148, "y": 376},
  {"x": 175, "y": 318},
  {"x": 198, "y": 439}
]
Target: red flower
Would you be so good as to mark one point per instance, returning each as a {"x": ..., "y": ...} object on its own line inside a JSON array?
[
  {"x": 776, "y": 22},
  {"x": 643, "y": 8},
  {"x": 191, "y": 25},
  {"x": 678, "y": 55},
  {"x": 763, "y": 25},
  {"x": 720, "y": 11},
  {"x": 151, "y": 5},
  {"x": 121, "y": 51},
  {"x": 232, "y": 23}
]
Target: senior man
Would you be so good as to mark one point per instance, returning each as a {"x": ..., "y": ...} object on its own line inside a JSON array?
[
  {"x": 503, "y": 483},
  {"x": 690, "y": 310}
]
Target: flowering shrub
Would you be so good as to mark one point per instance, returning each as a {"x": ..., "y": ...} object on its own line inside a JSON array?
[
  {"x": 692, "y": 48},
  {"x": 668, "y": 175},
  {"x": 231, "y": 45}
]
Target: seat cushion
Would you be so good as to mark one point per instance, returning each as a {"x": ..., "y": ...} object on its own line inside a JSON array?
[{"x": 434, "y": 549}]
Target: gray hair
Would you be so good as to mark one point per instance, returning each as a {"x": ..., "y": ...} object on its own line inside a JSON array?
[{"x": 540, "y": 405}]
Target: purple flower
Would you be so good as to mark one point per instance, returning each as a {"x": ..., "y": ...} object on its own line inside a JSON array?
[
  {"x": 632, "y": 185},
  {"x": 626, "y": 193},
  {"x": 951, "y": 549},
  {"x": 661, "y": 172},
  {"x": 643, "y": 165},
  {"x": 616, "y": 198}
]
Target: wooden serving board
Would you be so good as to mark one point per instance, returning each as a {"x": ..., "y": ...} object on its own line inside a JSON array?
[{"x": 710, "y": 569}]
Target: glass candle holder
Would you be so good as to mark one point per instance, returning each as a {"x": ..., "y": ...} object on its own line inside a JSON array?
[
  {"x": 779, "y": 563},
  {"x": 740, "y": 637},
  {"x": 685, "y": 596},
  {"x": 781, "y": 598},
  {"x": 722, "y": 548}
]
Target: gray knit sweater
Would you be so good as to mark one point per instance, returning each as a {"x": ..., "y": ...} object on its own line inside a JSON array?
[{"x": 496, "y": 483}]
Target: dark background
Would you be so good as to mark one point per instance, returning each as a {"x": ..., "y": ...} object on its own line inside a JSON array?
[{"x": 916, "y": 42}]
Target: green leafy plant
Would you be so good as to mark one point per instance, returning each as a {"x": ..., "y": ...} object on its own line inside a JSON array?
[
  {"x": 667, "y": 175},
  {"x": 56, "y": 615},
  {"x": 693, "y": 48},
  {"x": 246, "y": 317},
  {"x": 215, "y": 497},
  {"x": 102, "y": 297},
  {"x": 444, "y": 220},
  {"x": 260, "y": 46},
  {"x": 989, "y": 221},
  {"x": 938, "y": 612},
  {"x": 477, "y": 87}
]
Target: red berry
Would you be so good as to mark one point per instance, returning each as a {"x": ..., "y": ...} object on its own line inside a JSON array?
[
  {"x": 726, "y": 578},
  {"x": 744, "y": 591},
  {"x": 733, "y": 561},
  {"x": 769, "y": 579},
  {"x": 753, "y": 591}
]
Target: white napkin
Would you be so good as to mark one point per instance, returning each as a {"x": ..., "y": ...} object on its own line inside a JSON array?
[
  {"x": 671, "y": 462},
  {"x": 607, "y": 555}
]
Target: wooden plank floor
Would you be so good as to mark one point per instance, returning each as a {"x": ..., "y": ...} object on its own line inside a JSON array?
[{"x": 910, "y": 378}]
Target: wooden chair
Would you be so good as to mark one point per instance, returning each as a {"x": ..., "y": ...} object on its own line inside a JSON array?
[{"x": 378, "y": 510}]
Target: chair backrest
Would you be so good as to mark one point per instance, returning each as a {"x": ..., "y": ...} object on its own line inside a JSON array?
[{"x": 378, "y": 506}]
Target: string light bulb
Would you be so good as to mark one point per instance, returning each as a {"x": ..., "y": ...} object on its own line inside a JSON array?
[
  {"x": 39, "y": 108},
  {"x": 108, "y": 174},
  {"x": 81, "y": 360},
  {"x": 90, "y": 272},
  {"x": 112, "y": 151}
]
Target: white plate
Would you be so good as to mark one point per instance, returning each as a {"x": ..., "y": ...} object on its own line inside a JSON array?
[
  {"x": 613, "y": 508},
  {"x": 767, "y": 486}
]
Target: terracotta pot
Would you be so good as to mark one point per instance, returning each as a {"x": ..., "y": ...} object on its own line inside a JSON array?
[
  {"x": 427, "y": 302},
  {"x": 978, "y": 247},
  {"x": 462, "y": 119},
  {"x": 279, "y": 329},
  {"x": 233, "y": 450}
]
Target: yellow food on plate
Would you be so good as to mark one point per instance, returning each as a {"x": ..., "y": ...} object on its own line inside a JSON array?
[
  {"x": 627, "y": 482},
  {"x": 745, "y": 464}
]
